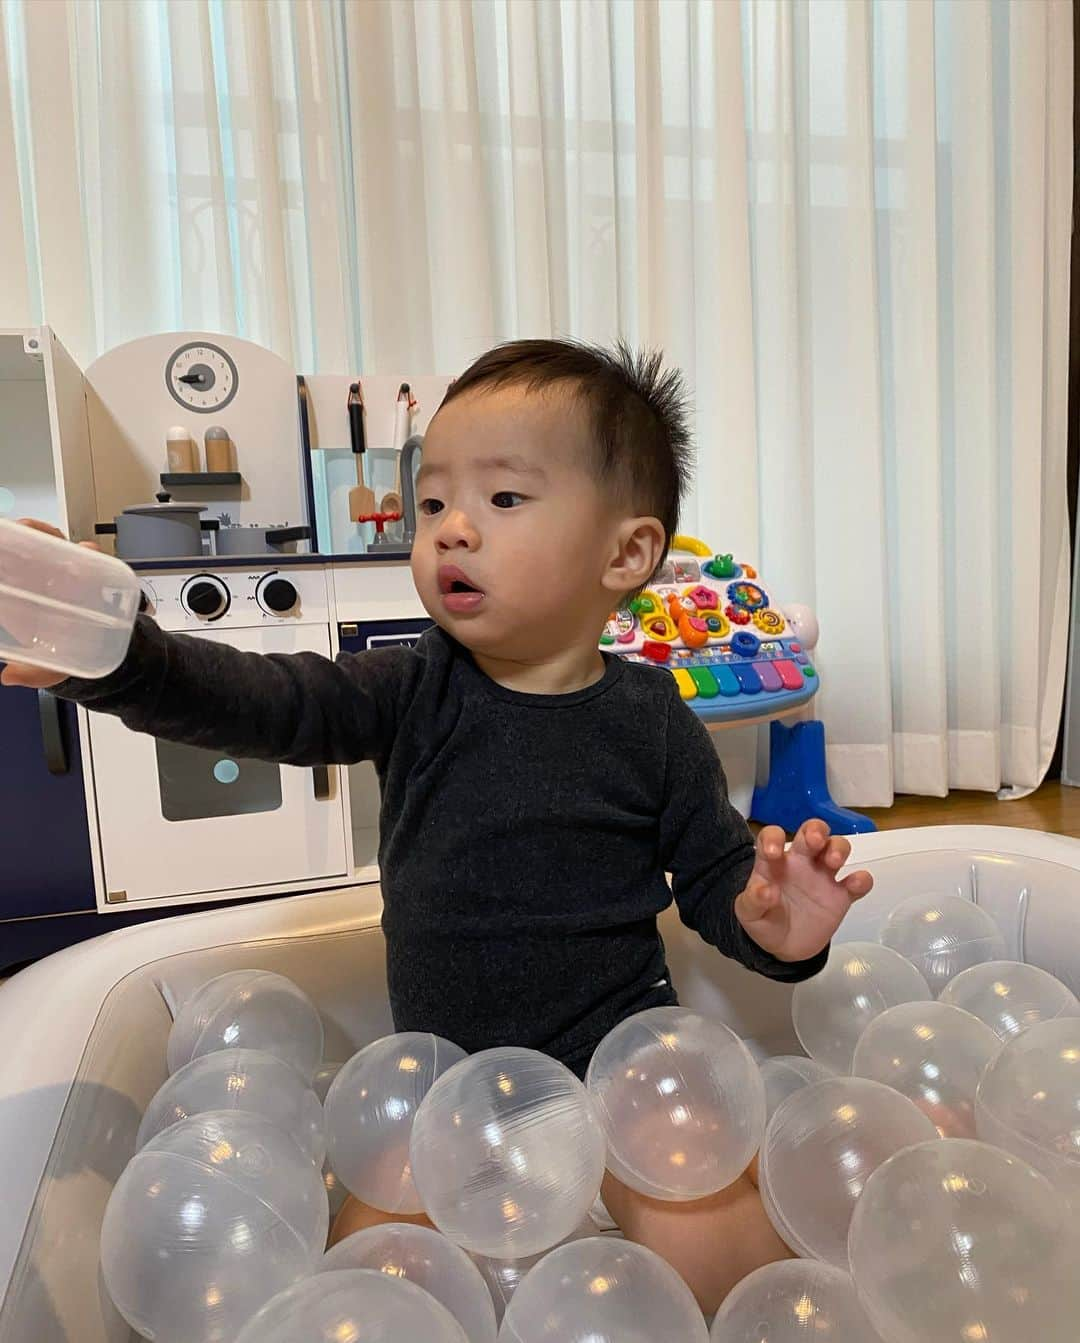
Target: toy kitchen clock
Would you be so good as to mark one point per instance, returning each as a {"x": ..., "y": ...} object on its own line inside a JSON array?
[
  {"x": 201, "y": 376},
  {"x": 712, "y": 623}
]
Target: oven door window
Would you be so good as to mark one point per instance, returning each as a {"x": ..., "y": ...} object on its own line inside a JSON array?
[{"x": 195, "y": 783}]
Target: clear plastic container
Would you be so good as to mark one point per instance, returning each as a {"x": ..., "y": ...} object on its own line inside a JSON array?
[{"x": 63, "y": 606}]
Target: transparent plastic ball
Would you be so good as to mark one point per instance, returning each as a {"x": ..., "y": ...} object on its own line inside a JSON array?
[
  {"x": 681, "y": 1100},
  {"x": 603, "y": 1290},
  {"x": 793, "y": 1301},
  {"x": 422, "y": 1256},
  {"x": 859, "y": 982},
  {"x": 335, "y": 1190},
  {"x": 820, "y": 1148},
  {"x": 507, "y": 1153},
  {"x": 239, "y": 1079},
  {"x": 211, "y": 1219},
  {"x": 1010, "y": 996},
  {"x": 370, "y": 1109},
  {"x": 784, "y": 1074},
  {"x": 941, "y": 935},
  {"x": 248, "y": 1009},
  {"x": 932, "y": 1053},
  {"x": 504, "y": 1276},
  {"x": 355, "y": 1305},
  {"x": 1029, "y": 1103},
  {"x": 955, "y": 1240}
]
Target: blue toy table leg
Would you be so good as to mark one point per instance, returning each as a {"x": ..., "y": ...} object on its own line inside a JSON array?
[{"x": 797, "y": 789}]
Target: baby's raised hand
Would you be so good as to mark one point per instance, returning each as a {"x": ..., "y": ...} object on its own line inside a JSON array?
[{"x": 793, "y": 902}]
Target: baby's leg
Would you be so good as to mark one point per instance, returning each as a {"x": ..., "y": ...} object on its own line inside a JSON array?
[
  {"x": 712, "y": 1242},
  {"x": 357, "y": 1216}
]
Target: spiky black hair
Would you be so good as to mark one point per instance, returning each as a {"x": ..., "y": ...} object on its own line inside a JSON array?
[{"x": 637, "y": 408}]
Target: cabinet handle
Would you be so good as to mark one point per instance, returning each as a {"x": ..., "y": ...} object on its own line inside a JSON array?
[
  {"x": 321, "y": 775},
  {"x": 52, "y": 734}
]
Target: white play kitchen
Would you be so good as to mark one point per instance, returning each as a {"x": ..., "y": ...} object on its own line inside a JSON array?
[
  {"x": 275, "y": 512},
  {"x": 235, "y": 489}
]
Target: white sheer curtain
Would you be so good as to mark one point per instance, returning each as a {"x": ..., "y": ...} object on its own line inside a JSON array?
[
  {"x": 179, "y": 165},
  {"x": 911, "y": 170},
  {"x": 847, "y": 220}
]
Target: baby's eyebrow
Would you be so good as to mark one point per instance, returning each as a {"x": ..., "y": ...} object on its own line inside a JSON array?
[{"x": 517, "y": 465}]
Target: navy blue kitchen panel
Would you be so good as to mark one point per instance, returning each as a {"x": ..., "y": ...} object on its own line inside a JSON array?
[
  {"x": 44, "y": 841},
  {"x": 358, "y": 636},
  {"x": 26, "y": 940}
]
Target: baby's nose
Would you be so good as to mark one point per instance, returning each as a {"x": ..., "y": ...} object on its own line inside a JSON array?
[{"x": 456, "y": 532}]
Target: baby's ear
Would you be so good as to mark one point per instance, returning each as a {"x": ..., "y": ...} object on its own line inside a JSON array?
[{"x": 639, "y": 545}]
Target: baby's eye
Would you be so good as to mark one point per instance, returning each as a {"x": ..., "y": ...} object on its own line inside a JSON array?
[
  {"x": 430, "y": 507},
  {"x": 506, "y": 499}
]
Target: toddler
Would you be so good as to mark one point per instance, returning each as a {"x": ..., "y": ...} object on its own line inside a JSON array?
[{"x": 535, "y": 792}]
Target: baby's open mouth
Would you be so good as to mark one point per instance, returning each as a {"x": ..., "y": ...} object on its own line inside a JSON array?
[{"x": 452, "y": 580}]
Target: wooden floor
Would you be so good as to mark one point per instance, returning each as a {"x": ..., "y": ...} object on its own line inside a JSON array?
[{"x": 1052, "y": 807}]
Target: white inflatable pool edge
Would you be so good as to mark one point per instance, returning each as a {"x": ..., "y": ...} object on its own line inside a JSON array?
[{"x": 49, "y": 1012}]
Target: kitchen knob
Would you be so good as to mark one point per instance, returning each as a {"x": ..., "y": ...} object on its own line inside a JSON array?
[
  {"x": 206, "y": 597},
  {"x": 278, "y": 596}
]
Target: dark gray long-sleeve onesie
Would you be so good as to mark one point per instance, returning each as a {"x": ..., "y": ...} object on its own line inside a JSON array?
[{"x": 524, "y": 838}]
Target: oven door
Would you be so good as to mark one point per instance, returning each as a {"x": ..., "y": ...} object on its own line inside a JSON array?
[{"x": 182, "y": 823}]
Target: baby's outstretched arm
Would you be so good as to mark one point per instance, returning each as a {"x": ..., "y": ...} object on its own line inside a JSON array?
[
  {"x": 774, "y": 911},
  {"x": 290, "y": 708},
  {"x": 294, "y": 709}
]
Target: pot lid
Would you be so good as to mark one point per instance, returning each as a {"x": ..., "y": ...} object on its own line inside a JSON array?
[{"x": 156, "y": 510}]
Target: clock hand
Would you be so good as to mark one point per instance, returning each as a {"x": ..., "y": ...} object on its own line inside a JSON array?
[{"x": 191, "y": 378}]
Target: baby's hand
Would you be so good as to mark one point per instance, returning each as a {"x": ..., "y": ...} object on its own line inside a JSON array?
[{"x": 793, "y": 903}]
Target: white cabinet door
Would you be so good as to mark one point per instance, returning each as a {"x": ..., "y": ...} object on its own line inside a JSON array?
[{"x": 178, "y": 821}]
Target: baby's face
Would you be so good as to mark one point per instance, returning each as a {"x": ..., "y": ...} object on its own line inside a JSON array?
[{"x": 513, "y": 533}]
